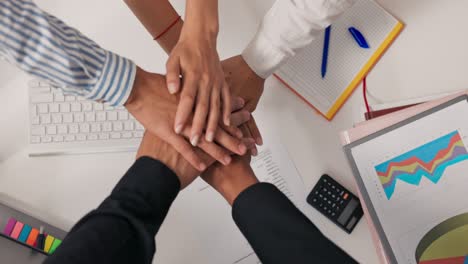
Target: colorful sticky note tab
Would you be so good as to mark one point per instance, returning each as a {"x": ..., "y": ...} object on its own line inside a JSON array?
[
  {"x": 32, "y": 237},
  {"x": 9, "y": 226},
  {"x": 17, "y": 230},
  {"x": 24, "y": 233},
  {"x": 55, "y": 245},
  {"x": 48, "y": 243}
]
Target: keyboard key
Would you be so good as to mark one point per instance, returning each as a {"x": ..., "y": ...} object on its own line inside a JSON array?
[
  {"x": 57, "y": 118},
  {"x": 38, "y": 130},
  {"x": 69, "y": 138},
  {"x": 123, "y": 115},
  {"x": 87, "y": 107},
  {"x": 81, "y": 137},
  {"x": 33, "y": 110},
  {"x": 62, "y": 129},
  {"x": 129, "y": 126},
  {"x": 139, "y": 126},
  {"x": 70, "y": 98},
  {"x": 67, "y": 118},
  {"x": 73, "y": 129},
  {"x": 118, "y": 126},
  {"x": 58, "y": 138},
  {"x": 46, "y": 139},
  {"x": 127, "y": 134},
  {"x": 108, "y": 107},
  {"x": 95, "y": 127},
  {"x": 115, "y": 135},
  {"x": 45, "y": 119},
  {"x": 42, "y": 98},
  {"x": 35, "y": 120},
  {"x": 42, "y": 108},
  {"x": 138, "y": 134},
  {"x": 90, "y": 117},
  {"x": 106, "y": 127},
  {"x": 64, "y": 107},
  {"x": 101, "y": 116},
  {"x": 51, "y": 130},
  {"x": 75, "y": 107},
  {"x": 98, "y": 107},
  {"x": 92, "y": 137},
  {"x": 80, "y": 98},
  {"x": 58, "y": 97},
  {"x": 111, "y": 116},
  {"x": 35, "y": 139},
  {"x": 103, "y": 136},
  {"x": 84, "y": 128},
  {"x": 79, "y": 117},
  {"x": 53, "y": 108}
]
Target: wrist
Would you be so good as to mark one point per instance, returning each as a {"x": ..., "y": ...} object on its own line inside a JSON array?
[
  {"x": 230, "y": 186},
  {"x": 171, "y": 37}
]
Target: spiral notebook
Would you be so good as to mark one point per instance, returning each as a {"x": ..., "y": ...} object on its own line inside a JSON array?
[{"x": 348, "y": 64}]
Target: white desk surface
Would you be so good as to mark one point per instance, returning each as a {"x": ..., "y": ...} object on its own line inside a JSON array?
[{"x": 429, "y": 57}]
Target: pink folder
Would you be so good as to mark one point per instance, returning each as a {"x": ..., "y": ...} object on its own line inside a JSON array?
[{"x": 367, "y": 128}]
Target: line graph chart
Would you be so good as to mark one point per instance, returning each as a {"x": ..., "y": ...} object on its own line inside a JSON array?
[{"x": 429, "y": 160}]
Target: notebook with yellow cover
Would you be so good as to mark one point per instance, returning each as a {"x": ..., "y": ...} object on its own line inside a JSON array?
[{"x": 348, "y": 63}]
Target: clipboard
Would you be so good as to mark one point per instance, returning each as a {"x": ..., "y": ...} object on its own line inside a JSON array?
[{"x": 384, "y": 245}]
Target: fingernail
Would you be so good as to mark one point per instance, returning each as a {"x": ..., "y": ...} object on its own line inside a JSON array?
[
  {"x": 194, "y": 140},
  {"x": 239, "y": 134},
  {"x": 178, "y": 128},
  {"x": 209, "y": 136},
  {"x": 172, "y": 87},
  {"x": 241, "y": 102},
  {"x": 242, "y": 149},
  {"x": 227, "y": 122},
  {"x": 254, "y": 152},
  {"x": 259, "y": 141},
  {"x": 227, "y": 160},
  {"x": 202, "y": 166}
]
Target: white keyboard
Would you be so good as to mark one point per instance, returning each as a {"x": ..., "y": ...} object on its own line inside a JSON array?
[{"x": 66, "y": 124}]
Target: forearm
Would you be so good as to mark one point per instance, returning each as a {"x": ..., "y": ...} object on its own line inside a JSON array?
[
  {"x": 47, "y": 48},
  {"x": 156, "y": 16},
  {"x": 202, "y": 16},
  {"x": 122, "y": 228},
  {"x": 278, "y": 232}
]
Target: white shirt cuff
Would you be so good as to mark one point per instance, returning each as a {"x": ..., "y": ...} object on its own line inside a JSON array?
[{"x": 262, "y": 57}]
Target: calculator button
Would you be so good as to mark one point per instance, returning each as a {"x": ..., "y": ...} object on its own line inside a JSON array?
[{"x": 346, "y": 196}]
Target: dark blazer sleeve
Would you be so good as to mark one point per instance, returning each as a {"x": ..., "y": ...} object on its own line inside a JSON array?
[
  {"x": 278, "y": 232},
  {"x": 123, "y": 227}
]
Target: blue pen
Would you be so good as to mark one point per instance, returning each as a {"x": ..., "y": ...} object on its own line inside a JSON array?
[{"x": 326, "y": 44}]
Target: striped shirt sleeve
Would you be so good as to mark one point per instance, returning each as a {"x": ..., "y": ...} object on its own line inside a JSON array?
[{"x": 45, "y": 47}]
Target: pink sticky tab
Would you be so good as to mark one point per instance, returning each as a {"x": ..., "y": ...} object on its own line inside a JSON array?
[
  {"x": 9, "y": 226},
  {"x": 17, "y": 230}
]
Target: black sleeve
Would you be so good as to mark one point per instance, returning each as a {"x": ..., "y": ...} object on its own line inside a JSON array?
[
  {"x": 123, "y": 227},
  {"x": 278, "y": 232}
]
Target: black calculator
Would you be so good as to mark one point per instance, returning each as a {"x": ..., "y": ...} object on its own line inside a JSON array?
[{"x": 336, "y": 203}]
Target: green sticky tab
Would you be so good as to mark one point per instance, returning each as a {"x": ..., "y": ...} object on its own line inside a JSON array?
[{"x": 55, "y": 245}]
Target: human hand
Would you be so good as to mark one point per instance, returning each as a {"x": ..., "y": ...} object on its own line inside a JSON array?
[
  {"x": 203, "y": 85},
  {"x": 232, "y": 179},
  {"x": 152, "y": 105},
  {"x": 248, "y": 85}
]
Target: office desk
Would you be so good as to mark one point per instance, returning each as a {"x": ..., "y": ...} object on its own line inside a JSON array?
[{"x": 429, "y": 57}]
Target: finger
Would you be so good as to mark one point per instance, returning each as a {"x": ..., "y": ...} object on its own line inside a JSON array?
[
  {"x": 237, "y": 104},
  {"x": 240, "y": 117},
  {"x": 215, "y": 108},
  {"x": 185, "y": 107},
  {"x": 229, "y": 142},
  {"x": 201, "y": 112},
  {"x": 226, "y": 96},
  {"x": 249, "y": 143},
  {"x": 173, "y": 74},
  {"x": 188, "y": 152},
  {"x": 245, "y": 130},
  {"x": 254, "y": 131},
  {"x": 215, "y": 151},
  {"x": 233, "y": 131}
]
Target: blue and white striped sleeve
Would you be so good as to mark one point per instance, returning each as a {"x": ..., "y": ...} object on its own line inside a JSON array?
[{"x": 45, "y": 47}]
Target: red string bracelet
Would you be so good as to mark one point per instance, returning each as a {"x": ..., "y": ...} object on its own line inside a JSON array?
[
  {"x": 168, "y": 28},
  {"x": 364, "y": 92}
]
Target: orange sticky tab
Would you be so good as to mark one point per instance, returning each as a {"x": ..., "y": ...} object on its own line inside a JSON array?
[{"x": 32, "y": 237}]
